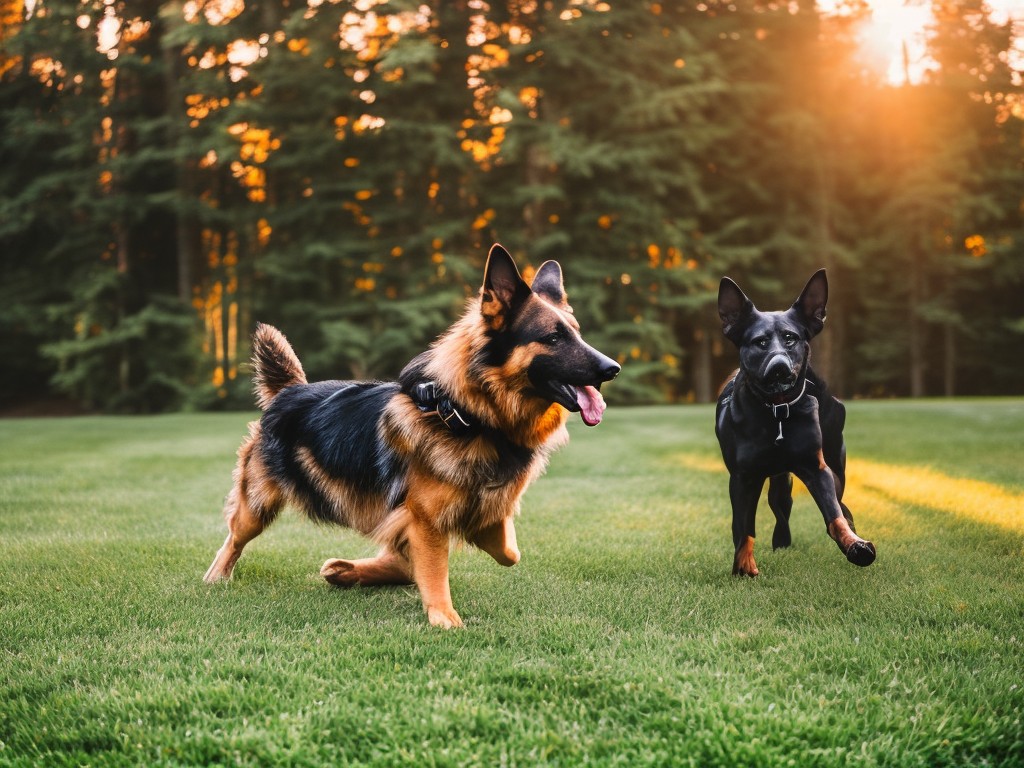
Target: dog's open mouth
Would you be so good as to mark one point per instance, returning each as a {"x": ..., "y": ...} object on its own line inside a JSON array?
[{"x": 586, "y": 400}]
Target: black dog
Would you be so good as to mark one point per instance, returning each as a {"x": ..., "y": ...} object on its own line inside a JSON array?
[{"x": 775, "y": 416}]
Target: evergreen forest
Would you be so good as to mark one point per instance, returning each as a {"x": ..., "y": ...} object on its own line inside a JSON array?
[{"x": 173, "y": 171}]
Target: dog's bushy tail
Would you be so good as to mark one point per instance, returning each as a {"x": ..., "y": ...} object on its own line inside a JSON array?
[{"x": 275, "y": 365}]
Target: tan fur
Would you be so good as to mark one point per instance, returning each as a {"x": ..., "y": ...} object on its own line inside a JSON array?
[
  {"x": 841, "y": 533},
  {"x": 744, "y": 562},
  {"x": 499, "y": 541},
  {"x": 386, "y": 568},
  {"x": 252, "y": 504}
]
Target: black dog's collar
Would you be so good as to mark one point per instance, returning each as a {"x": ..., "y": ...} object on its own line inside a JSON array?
[
  {"x": 777, "y": 409},
  {"x": 430, "y": 398}
]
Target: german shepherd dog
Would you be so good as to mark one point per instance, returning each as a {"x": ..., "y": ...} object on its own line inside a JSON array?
[
  {"x": 444, "y": 453},
  {"x": 775, "y": 416}
]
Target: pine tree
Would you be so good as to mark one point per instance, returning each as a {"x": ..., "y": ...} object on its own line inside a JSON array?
[
  {"x": 944, "y": 254},
  {"x": 93, "y": 210},
  {"x": 340, "y": 169},
  {"x": 605, "y": 112}
]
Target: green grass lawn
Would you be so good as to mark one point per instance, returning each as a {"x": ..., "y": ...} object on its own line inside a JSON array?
[{"x": 620, "y": 639}]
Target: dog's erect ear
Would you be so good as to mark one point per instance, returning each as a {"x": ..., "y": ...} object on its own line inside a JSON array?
[
  {"x": 547, "y": 283},
  {"x": 504, "y": 288},
  {"x": 811, "y": 304},
  {"x": 735, "y": 310}
]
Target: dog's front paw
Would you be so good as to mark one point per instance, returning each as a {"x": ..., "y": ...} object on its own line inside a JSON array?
[
  {"x": 857, "y": 550},
  {"x": 861, "y": 552},
  {"x": 446, "y": 618},
  {"x": 744, "y": 570},
  {"x": 743, "y": 563},
  {"x": 340, "y": 573}
]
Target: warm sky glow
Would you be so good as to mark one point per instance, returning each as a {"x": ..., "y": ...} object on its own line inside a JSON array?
[
  {"x": 895, "y": 23},
  {"x": 892, "y": 26}
]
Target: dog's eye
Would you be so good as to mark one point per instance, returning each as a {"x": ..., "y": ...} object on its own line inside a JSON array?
[
  {"x": 789, "y": 339},
  {"x": 762, "y": 342},
  {"x": 551, "y": 339}
]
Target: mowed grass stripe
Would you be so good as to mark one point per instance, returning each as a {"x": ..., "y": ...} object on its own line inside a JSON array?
[
  {"x": 620, "y": 639},
  {"x": 904, "y": 485}
]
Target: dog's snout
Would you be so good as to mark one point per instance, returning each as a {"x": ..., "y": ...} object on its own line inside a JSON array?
[{"x": 779, "y": 368}]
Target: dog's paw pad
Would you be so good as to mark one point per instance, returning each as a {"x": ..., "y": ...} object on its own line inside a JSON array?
[
  {"x": 340, "y": 573},
  {"x": 861, "y": 553}
]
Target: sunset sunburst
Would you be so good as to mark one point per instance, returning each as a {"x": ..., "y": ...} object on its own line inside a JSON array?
[{"x": 893, "y": 35}]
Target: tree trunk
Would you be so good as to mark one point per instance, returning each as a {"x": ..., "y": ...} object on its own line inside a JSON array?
[
  {"x": 186, "y": 230},
  {"x": 916, "y": 332},
  {"x": 949, "y": 366}
]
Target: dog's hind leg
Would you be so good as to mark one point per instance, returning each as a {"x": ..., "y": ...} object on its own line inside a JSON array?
[
  {"x": 744, "y": 493},
  {"x": 244, "y": 525},
  {"x": 780, "y": 500},
  {"x": 251, "y": 506},
  {"x": 388, "y": 567}
]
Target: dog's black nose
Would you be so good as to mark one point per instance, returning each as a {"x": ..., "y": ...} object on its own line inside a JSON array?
[
  {"x": 779, "y": 369},
  {"x": 610, "y": 370}
]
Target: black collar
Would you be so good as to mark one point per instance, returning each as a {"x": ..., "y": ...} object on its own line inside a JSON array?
[{"x": 430, "y": 398}]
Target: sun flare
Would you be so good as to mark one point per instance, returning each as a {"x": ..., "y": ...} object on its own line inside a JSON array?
[
  {"x": 893, "y": 35},
  {"x": 893, "y": 40}
]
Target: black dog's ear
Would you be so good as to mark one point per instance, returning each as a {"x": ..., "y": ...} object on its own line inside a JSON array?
[
  {"x": 547, "y": 283},
  {"x": 504, "y": 288},
  {"x": 811, "y": 304},
  {"x": 734, "y": 308}
]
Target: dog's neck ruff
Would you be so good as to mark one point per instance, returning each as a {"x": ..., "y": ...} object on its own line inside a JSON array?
[
  {"x": 430, "y": 398},
  {"x": 781, "y": 410}
]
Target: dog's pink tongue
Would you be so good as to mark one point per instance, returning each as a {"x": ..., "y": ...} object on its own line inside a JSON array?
[{"x": 591, "y": 405}]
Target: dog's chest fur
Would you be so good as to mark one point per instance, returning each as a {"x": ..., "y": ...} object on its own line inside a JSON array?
[
  {"x": 480, "y": 479},
  {"x": 749, "y": 431}
]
